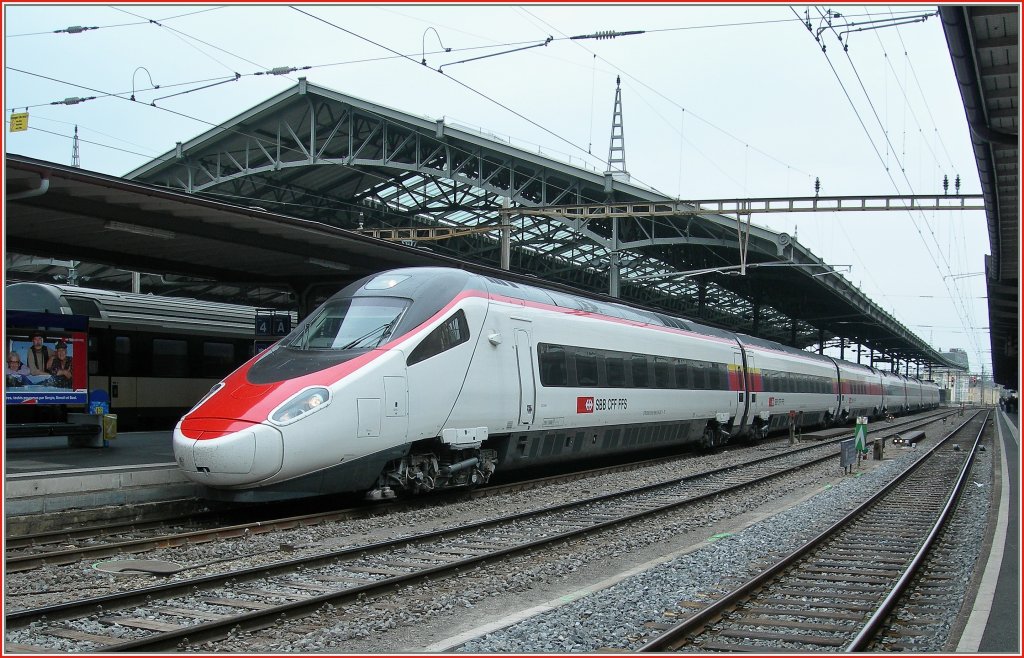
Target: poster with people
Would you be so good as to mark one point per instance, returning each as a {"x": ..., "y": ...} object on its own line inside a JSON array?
[{"x": 46, "y": 359}]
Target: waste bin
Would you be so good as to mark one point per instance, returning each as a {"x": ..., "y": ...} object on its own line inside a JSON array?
[{"x": 109, "y": 426}]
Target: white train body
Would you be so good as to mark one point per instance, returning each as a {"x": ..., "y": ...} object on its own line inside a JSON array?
[{"x": 427, "y": 378}]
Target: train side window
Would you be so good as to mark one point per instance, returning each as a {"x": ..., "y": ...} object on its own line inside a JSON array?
[
  {"x": 218, "y": 359},
  {"x": 122, "y": 361},
  {"x": 721, "y": 375},
  {"x": 615, "y": 369},
  {"x": 170, "y": 358},
  {"x": 700, "y": 375},
  {"x": 586, "y": 368},
  {"x": 638, "y": 366},
  {"x": 452, "y": 332},
  {"x": 662, "y": 373},
  {"x": 683, "y": 379},
  {"x": 94, "y": 351},
  {"x": 552, "y": 365}
]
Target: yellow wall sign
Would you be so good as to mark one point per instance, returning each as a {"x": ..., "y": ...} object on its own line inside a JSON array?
[{"x": 19, "y": 121}]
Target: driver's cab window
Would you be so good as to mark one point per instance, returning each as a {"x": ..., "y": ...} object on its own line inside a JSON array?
[{"x": 453, "y": 331}]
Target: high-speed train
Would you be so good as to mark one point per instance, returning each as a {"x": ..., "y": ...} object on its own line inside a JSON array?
[{"x": 429, "y": 378}]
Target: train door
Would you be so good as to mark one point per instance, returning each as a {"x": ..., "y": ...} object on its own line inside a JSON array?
[
  {"x": 123, "y": 380},
  {"x": 754, "y": 402},
  {"x": 524, "y": 361},
  {"x": 741, "y": 401}
]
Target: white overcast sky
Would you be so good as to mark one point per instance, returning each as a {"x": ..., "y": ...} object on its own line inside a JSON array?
[{"x": 718, "y": 101}]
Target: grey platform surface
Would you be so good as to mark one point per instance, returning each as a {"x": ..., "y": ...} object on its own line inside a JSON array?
[
  {"x": 44, "y": 475},
  {"x": 51, "y": 453},
  {"x": 1002, "y": 627}
]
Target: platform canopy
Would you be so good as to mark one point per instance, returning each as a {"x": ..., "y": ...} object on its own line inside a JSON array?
[
  {"x": 984, "y": 43},
  {"x": 345, "y": 163}
]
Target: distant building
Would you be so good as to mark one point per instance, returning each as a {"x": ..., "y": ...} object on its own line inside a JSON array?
[{"x": 955, "y": 384}]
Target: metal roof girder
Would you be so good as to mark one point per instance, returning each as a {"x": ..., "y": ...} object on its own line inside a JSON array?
[
  {"x": 375, "y": 129},
  {"x": 406, "y": 138},
  {"x": 708, "y": 242}
]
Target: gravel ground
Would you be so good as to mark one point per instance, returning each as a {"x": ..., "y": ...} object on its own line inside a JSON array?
[{"x": 610, "y": 618}]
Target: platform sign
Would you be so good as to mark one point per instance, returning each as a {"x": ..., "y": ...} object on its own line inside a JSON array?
[
  {"x": 281, "y": 325},
  {"x": 264, "y": 323},
  {"x": 46, "y": 359},
  {"x": 273, "y": 324},
  {"x": 19, "y": 122}
]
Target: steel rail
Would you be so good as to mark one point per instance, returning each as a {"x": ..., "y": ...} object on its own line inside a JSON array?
[
  {"x": 874, "y": 624},
  {"x": 15, "y": 563},
  {"x": 676, "y": 636},
  {"x": 216, "y": 629}
]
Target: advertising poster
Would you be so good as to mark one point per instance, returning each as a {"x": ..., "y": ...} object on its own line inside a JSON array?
[{"x": 46, "y": 359}]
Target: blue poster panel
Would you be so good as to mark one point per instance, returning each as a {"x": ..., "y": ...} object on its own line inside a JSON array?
[{"x": 46, "y": 358}]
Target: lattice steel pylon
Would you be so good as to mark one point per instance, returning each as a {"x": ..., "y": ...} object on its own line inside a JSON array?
[
  {"x": 75, "y": 161},
  {"x": 617, "y": 145}
]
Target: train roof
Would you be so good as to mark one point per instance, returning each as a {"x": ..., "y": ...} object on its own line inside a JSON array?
[{"x": 135, "y": 310}]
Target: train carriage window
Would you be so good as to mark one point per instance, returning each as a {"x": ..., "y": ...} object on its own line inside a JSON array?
[
  {"x": 122, "y": 362},
  {"x": 93, "y": 351},
  {"x": 662, "y": 373},
  {"x": 638, "y": 366},
  {"x": 683, "y": 377},
  {"x": 170, "y": 358},
  {"x": 553, "y": 371},
  {"x": 452, "y": 332},
  {"x": 586, "y": 367},
  {"x": 218, "y": 359},
  {"x": 721, "y": 377},
  {"x": 699, "y": 378},
  {"x": 615, "y": 369}
]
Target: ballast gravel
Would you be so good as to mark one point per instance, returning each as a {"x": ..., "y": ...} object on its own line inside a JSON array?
[{"x": 612, "y": 618}]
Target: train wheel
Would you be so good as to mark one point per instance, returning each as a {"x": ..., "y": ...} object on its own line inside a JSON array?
[{"x": 710, "y": 435}]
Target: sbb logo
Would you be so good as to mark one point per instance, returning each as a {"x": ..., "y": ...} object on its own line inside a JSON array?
[{"x": 584, "y": 405}]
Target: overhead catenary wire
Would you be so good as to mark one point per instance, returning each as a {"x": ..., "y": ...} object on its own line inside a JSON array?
[
  {"x": 709, "y": 123},
  {"x": 78, "y": 29},
  {"x": 960, "y": 309}
]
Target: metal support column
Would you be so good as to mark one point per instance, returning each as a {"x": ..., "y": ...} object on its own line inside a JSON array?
[{"x": 613, "y": 261}]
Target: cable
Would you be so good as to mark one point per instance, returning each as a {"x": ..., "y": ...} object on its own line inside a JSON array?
[
  {"x": 77, "y": 29},
  {"x": 961, "y": 309},
  {"x": 105, "y": 94},
  {"x": 210, "y": 45},
  {"x": 671, "y": 125}
]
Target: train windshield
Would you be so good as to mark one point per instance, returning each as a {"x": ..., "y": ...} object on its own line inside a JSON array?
[{"x": 355, "y": 323}]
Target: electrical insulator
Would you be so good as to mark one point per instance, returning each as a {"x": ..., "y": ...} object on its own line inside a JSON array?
[
  {"x": 957, "y": 183},
  {"x": 817, "y": 186},
  {"x": 945, "y": 184}
]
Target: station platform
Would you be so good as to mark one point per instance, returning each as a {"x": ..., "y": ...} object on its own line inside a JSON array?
[
  {"x": 47, "y": 483},
  {"x": 43, "y": 475}
]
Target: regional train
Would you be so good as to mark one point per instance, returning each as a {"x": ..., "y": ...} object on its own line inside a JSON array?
[
  {"x": 155, "y": 356},
  {"x": 423, "y": 379}
]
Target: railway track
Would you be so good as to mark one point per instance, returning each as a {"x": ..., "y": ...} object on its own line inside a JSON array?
[
  {"x": 837, "y": 592},
  {"x": 67, "y": 547},
  {"x": 202, "y": 609}
]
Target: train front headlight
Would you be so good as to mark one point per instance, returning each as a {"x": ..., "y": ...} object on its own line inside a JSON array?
[{"x": 301, "y": 405}]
